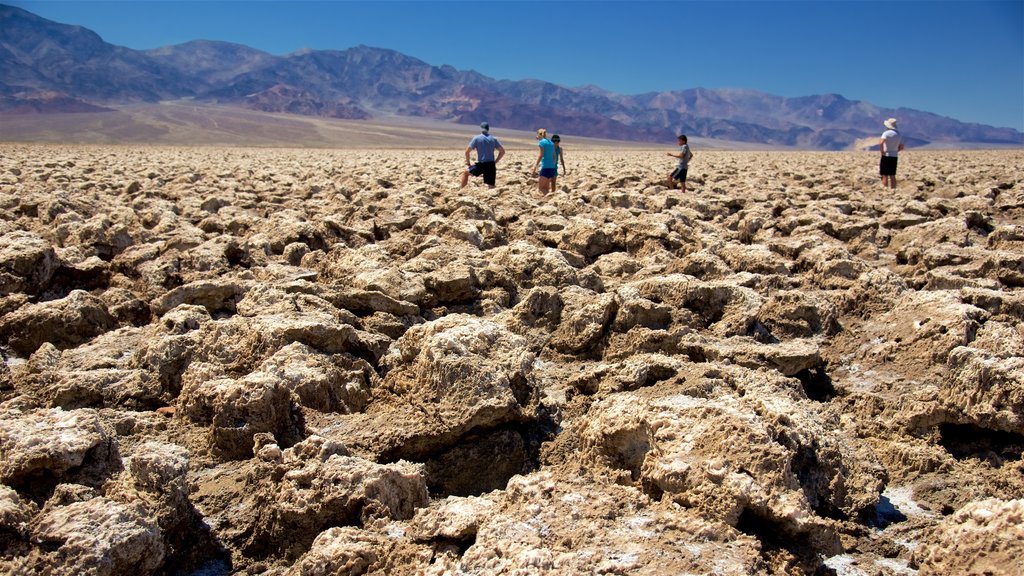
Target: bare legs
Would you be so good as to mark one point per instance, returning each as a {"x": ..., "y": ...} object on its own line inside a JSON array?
[{"x": 671, "y": 183}]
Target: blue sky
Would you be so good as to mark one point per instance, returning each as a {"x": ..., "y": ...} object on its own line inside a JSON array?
[{"x": 963, "y": 59}]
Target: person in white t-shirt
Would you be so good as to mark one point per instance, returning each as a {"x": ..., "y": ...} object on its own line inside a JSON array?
[{"x": 890, "y": 146}]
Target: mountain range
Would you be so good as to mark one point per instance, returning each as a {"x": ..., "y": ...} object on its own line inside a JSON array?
[{"x": 48, "y": 67}]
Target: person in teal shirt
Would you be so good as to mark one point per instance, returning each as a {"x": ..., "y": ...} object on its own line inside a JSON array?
[{"x": 546, "y": 161}]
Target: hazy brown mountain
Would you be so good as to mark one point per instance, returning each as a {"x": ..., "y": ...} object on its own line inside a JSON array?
[
  {"x": 41, "y": 102},
  {"x": 40, "y": 56},
  {"x": 285, "y": 98},
  {"x": 210, "y": 61}
]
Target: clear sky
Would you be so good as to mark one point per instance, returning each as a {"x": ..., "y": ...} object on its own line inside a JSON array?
[{"x": 963, "y": 59}]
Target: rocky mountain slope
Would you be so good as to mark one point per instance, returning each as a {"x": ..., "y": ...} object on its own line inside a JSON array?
[
  {"x": 297, "y": 362},
  {"x": 362, "y": 82}
]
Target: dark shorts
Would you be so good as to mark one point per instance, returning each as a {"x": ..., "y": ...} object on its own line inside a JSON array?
[
  {"x": 548, "y": 172},
  {"x": 679, "y": 175},
  {"x": 485, "y": 169},
  {"x": 887, "y": 167}
]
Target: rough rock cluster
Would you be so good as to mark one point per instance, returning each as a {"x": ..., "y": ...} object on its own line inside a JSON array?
[{"x": 308, "y": 362}]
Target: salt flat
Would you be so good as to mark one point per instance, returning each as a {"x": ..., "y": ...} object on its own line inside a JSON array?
[{"x": 294, "y": 360}]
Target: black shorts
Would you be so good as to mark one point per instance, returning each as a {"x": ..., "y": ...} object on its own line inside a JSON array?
[
  {"x": 679, "y": 175},
  {"x": 485, "y": 169},
  {"x": 887, "y": 167}
]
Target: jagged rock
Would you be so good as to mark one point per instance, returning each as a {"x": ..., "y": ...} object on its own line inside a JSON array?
[
  {"x": 591, "y": 239},
  {"x": 754, "y": 259},
  {"x": 156, "y": 481},
  {"x": 832, "y": 267},
  {"x": 126, "y": 307},
  {"x": 705, "y": 265},
  {"x": 451, "y": 284},
  {"x": 790, "y": 357},
  {"x": 101, "y": 373},
  {"x": 445, "y": 379},
  {"x": 328, "y": 383},
  {"x": 64, "y": 323},
  {"x": 635, "y": 372},
  {"x": 921, "y": 329},
  {"x": 80, "y": 271},
  {"x": 985, "y": 390},
  {"x": 15, "y": 514},
  {"x": 214, "y": 296},
  {"x": 27, "y": 263},
  {"x": 453, "y": 518},
  {"x": 1007, "y": 237},
  {"x": 42, "y": 448},
  {"x": 349, "y": 550},
  {"x": 371, "y": 269},
  {"x": 911, "y": 243},
  {"x": 635, "y": 310},
  {"x": 238, "y": 345},
  {"x": 722, "y": 308},
  {"x": 585, "y": 318},
  {"x": 264, "y": 299},
  {"x": 874, "y": 292},
  {"x": 984, "y": 537},
  {"x": 103, "y": 235},
  {"x": 795, "y": 314},
  {"x": 236, "y": 410},
  {"x": 536, "y": 316},
  {"x": 97, "y": 537},
  {"x": 318, "y": 487},
  {"x": 531, "y": 266},
  {"x": 359, "y": 301},
  {"x": 1005, "y": 266},
  {"x": 1001, "y": 339},
  {"x": 690, "y": 450},
  {"x": 547, "y": 524}
]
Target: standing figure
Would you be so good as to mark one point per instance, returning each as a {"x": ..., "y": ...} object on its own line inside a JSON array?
[
  {"x": 486, "y": 163},
  {"x": 559, "y": 157},
  {"x": 546, "y": 161},
  {"x": 890, "y": 146},
  {"x": 684, "y": 155}
]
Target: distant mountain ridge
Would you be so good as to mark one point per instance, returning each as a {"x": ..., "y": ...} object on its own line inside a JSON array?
[{"x": 50, "y": 67}]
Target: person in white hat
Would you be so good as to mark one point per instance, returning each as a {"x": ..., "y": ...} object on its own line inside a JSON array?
[{"x": 890, "y": 146}]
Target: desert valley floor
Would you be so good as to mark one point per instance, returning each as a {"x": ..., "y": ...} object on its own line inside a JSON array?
[{"x": 313, "y": 362}]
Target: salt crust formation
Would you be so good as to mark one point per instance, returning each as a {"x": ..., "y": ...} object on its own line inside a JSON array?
[{"x": 308, "y": 362}]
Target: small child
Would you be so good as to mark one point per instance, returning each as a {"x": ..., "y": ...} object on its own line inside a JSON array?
[
  {"x": 684, "y": 155},
  {"x": 559, "y": 157}
]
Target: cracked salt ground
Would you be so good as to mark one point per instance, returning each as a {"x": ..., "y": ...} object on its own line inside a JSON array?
[{"x": 292, "y": 362}]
